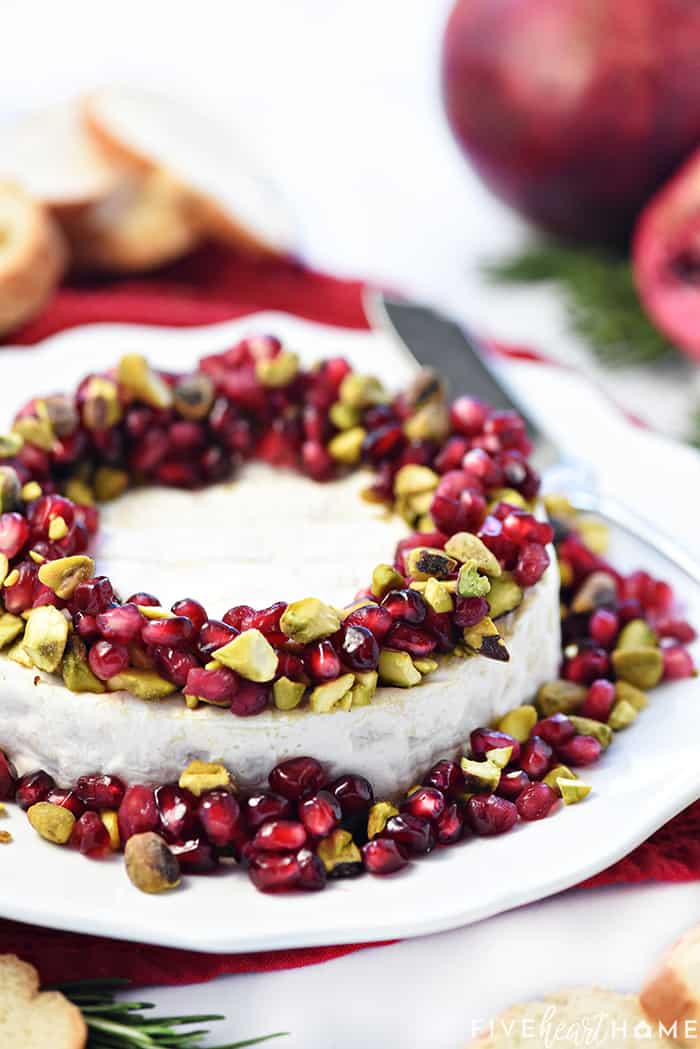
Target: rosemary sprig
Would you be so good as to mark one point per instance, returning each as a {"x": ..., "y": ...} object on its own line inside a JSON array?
[
  {"x": 114, "y": 1024},
  {"x": 600, "y": 296}
]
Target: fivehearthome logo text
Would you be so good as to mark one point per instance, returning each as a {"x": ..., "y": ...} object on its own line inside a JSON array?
[{"x": 600, "y": 1029}]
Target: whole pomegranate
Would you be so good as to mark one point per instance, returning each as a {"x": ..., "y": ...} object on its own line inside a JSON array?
[{"x": 574, "y": 111}]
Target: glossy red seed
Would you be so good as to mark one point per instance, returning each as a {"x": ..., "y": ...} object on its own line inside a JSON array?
[
  {"x": 291, "y": 666},
  {"x": 320, "y": 814},
  {"x": 215, "y": 686},
  {"x": 144, "y": 599},
  {"x": 321, "y": 661},
  {"x": 372, "y": 617},
  {"x": 316, "y": 461},
  {"x": 482, "y": 740},
  {"x": 280, "y": 836},
  {"x": 185, "y": 435},
  {"x": 447, "y": 777},
  {"x": 220, "y": 816},
  {"x": 536, "y": 802},
  {"x": 312, "y": 873},
  {"x": 121, "y": 624},
  {"x": 14, "y": 534},
  {"x": 536, "y": 757},
  {"x": 383, "y": 856},
  {"x": 427, "y": 802},
  {"x": 99, "y": 791},
  {"x": 678, "y": 629},
  {"x": 555, "y": 729},
  {"x": 488, "y": 814},
  {"x": 137, "y": 812},
  {"x": 93, "y": 596},
  {"x": 195, "y": 856},
  {"x": 355, "y": 795},
  {"x": 8, "y": 778},
  {"x": 32, "y": 788},
  {"x": 296, "y": 778},
  {"x": 177, "y": 632},
  {"x": 533, "y": 561},
  {"x": 383, "y": 443},
  {"x": 678, "y": 663},
  {"x": 20, "y": 596},
  {"x": 468, "y": 415},
  {"x": 603, "y": 627},
  {"x": 580, "y": 751},
  {"x": 192, "y": 610},
  {"x": 274, "y": 871},
  {"x": 451, "y": 454},
  {"x": 46, "y": 509},
  {"x": 405, "y": 638},
  {"x": 174, "y": 664},
  {"x": 449, "y": 826},
  {"x": 462, "y": 514},
  {"x": 483, "y": 466},
  {"x": 212, "y": 635},
  {"x": 412, "y": 832},
  {"x": 177, "y": 812},
  {"x": 359, "y": 649},
  {"x": 263, "y": 805},
  {"x": 406, "y": 605},
  {"x": 599, "y": 700},
  {"x": 107, "y": 659},
  {"x": 239, "y": 617},
  {"x": 587, "y": 665},
  {"x": 67, "y": 799},
  {"x": 149, "y": 451},
  {"x": 91, "y": 836},
  {"x": 511, "y": 784},
  {"x": 251, "y": 698},
  {"x": 469, "y": 611}
]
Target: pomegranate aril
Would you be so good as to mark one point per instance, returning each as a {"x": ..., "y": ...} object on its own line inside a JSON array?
[
  {"x": 533, "y": 561},
  {"x": 274, "y": 871},
  {"x": 580, "y": 751},
  {"x": 406, "y": 605},
  {"x": 107, "y": 659},
  {"x": 251, "y": 698},
  {"x": 121, "y": 624},
  {"x": 20, "y": 596},
  {"x": 149, "y": 451},
  {"x": 405, "y": 638},
  {"x": 483, "y": 466},
  {"x": 14, "y": 534},
  {"x": 32, "y": 788},
  {"x": 316, "y": 461},
  {"x": 678, "y": 629},
  {"x": 512, "y": 784},
  {"x": 556, "y": 729},
  {"x": 383, "y": 856},
  {"x": 599, "y": 700},
  {"x": 192, "y": 610},
  {"x": 312, "y": 873},
  {"x": 138, "y": 812},
  {"x": 536, "y": 801},
  {"x": 383, "y": 443},
  {"x": 186, "y": 436},
  {"x": 320, "y": 814},
  {"x": 177, "y": 812},
  {"x": 67, "y": 799},
  {"x": 296, "y": 778},
  {"x": 373, "y": 618},
  {"x": 144, "y": 599},
  {"x": 449, "y": 825},
  {"x": 280, "y": 836},
  {"x": 93, "y": 596},
  {"x": 461, "y": 514},
  {"x": 482, "y": 740},
  {"x": 488, "y": 814},
  {"x": 291, "y": 666},
  {"x": 45, "y": 510},
  {"x": 91, "y": 837},
  {"x": 587, "y": 665},
  {"x": 412, "y": 832},
  {"x": 678, "y": 663},
  {"x": 536, "y": 757},
  {"x": 355, "y": 795},
  {"x": 447, "y": 777},
  {"x": 359, "y": 649},
  {"x": 215, "y": 686},
  {"x": 238, "y": 617},
  {"x": 469, "y": 611},
  {"x": 220, "y": 816},
  {"x": 267, "y": 620},
  {"x": 177, "y": 632},
  {"x": 468, "y": 415},
  {"x": 195, "y": 856},
  {"x": 212, "y": 635},
  {"x": 174, "y": 664},
  {"x": 426, "y": 802},
  {"x": 264, "y": 805},
  {"x": 99, "y": 791},
  {"x": 603, "y": 627},
  {"x": 322, "y": 661},
  {"x": 451, "y": 454},
  {"x": 8, "y": 778}
]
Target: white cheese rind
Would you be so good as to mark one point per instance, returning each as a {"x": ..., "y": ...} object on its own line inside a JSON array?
[{"x": 401, "y": 734}]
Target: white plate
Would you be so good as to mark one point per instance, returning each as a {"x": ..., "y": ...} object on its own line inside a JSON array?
[{"x": 650, "y": 774}]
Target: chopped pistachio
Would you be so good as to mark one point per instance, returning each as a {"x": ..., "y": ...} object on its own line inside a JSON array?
[
  {"x": 572, "y": 790},
  {"x": 483, "y": 775},
  {"x": 642, "y": 667},
  {"x": 193, "y": 396},
  {"x": 10, "y": 489},
  {"x": 594, "y": 532},
  {"x": 414, "y": 479},
  {"x": 101, "y": 408},
  {"x": 635, "y": 696},
  {"x": 338, "y": 848},
  {"x": 470, "y": 583},
  {"x": 79, "y": 492},
  {"x": 560, "y": 697},
  {"x": 139, "y": 657},
  {"x": 110, "y": 483},
  {"x": 384, "y": 579},
  {"x": 346, "y": 447},
  {"x": 596, "y": 591},
  {"x": 464, "y": 546},
  {"x": 18, "y": 655},
  {"x": 155, "y": 612},
  {"x": 362, "y": 692},
  {"x": 200, "y": 776},
  {"x": 636, "y": 634},
  {"x": 438, "y": 596},
  {"x": 191, "y": 702},
  {"x": 52, "y": 822},
  {"x": 58, "y": 529},
  {"x": 10, "y": 445},
  {"x": 250, "y": 654},
  {"x": 38, "y": 432},
  {"x": 519, "y": 722},
  {"x": 558, "y": 505},
  {"x": 10, "y": 628},
  {"x": 136, "y": 375},
  {"x": 343, "y": 416},
  {"x": 11, "y": 578},
  {"x": 309, "y": 619},
  {"x": 504, "y": 596},
  {"x": 111, "y": 825},
  {"x": 62, "y": 413},
  {"x": 66, "y": 573},
  {"x": 508, "y": 495},
  {"x": 499, "y": 756},
  {"x": 590, "y": 727},
  {"x": 557, "y": 773},
  {"x": 566, "y": 572},
  {"x": 150, "y": 864},
  {"x": 485, "y": 640},
  {"x": 4, "y": 568},
  {"x": 431, "y": 422},
  {"x": 425, "y": 666},
  {"x": 397, "y": 668},
  {"x": 144, "y": 684},
  {"x": 77, "y": 675},
  {"x": 325, "y": 698},
  {"x": 379, "y": 815},
  {"x": 622, "y": 715},
  {"x": 427, "y": 386},
  {"x": 358, "y": 391},
  {"x": 45, "y": 637},
  {"x": 277, "y": 371},
  {"x": 288, "y": 694}
]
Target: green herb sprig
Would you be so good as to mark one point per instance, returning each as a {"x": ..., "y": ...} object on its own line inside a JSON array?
[{"x": 115, "y": 1024}]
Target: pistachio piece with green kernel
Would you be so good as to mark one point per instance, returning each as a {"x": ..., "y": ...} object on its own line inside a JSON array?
[
  {"x": 58, "y": 529},
  {"x": 560, "y": 697},
  {"x": 397, "y": 668},
  {"x": 138, "y": 378},
  {"x": 308, "y": 620},
  {"x": 200, "y": 776},
  {"x": 144, "y": 684},
  {"x": 10, "y": 445},
  {"x": 379, "y": 815},
  {"x": 572, "y": 790},
  {"x": 504, "y": 596},
  {"x": 66, "y": 573},
  {"x": 338, "y": 849},
  {"x": 622, "y": 715},
  {"x": 150, "y": 864},
  {"x": 325, "y": 698},
  {"x": 110, "y": 483},
  {"x": 384, "y": 579},
  {"x": 499, "y": 756},
  {"x": 484, "y": 640},
  {"x": 75, "y": 668},
  {"x": 464, "y": 546},
  {"x": 630, "y": 694},
  {"x": 287, "y": 694},
  {"x": 10, "y": 628},
  {"x": 557, "y": 773},
  {"x": 508, "y": 495},
  {"x": 4, "y": 568},
  {"x": 594, "y": 532},
  {"x": 250, "y": 654},
  {"x": 480, "y": 775},
  {"x": 598, "y": 590},
  {"x": 431, "y": 422},
  {"x": 17, "y": 654},
  {"x": 470, "y": 583},
  {"x": 31, "y": 491},
  {"x": 38, "y": 432},
  {"x": 362, "y": 692},
  {"x": 193, "y": 396},
  {"x": 54, "y": 823},
  {"x": 642, "y": 667},
  {"x": 414, "y": 479},
  {"x": 78, "y": 491},
  {"x": 10, "y": 489},
  {"x": 422, "y": 562},
  {"x": 590, "y": 727},
  {"x": 438, "y": 596},
  {"x": 425, "y": 666},
  {"x": 45, "y": 637},
  {"x": 101, "y": 407},
  {"x": 62, "y": 414},
  {"x": 346, "y": 447},
  {"x": 359, "y": 391},
  {"x": 427, "y": 386},
  {"x": 278, "y": 371},
  {"x": 343, "y": 416},
  {"x": 636, "y": 634},
  {"x": 110, "y": 822},
  {"x": 519, "y": 722}
]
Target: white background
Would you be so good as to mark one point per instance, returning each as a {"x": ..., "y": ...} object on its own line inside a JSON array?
[{"x": 340, "y": 101}]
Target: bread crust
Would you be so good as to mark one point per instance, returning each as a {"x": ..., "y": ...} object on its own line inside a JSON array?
[
  {"x": 63, "y": 1026},
  {"x": 668, "y": 998}
]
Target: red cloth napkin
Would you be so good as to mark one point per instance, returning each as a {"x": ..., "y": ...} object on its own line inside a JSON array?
[{"x": 215, "y": 285}]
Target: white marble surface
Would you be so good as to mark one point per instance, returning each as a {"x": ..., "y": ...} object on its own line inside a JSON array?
[{"x": 340, "y": 101}]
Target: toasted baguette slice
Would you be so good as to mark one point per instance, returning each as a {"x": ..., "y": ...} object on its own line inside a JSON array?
[
  {"x": 33, "y": 1020},
  {"x": 32, "y": 257},
  {"x": 51, "y": 155},
  {"x": 579, "y": 1017},
  {"x": 233, "y": 201},
  {"x": 145, "y": 224},
  {"x": 671, "y": 995}
]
